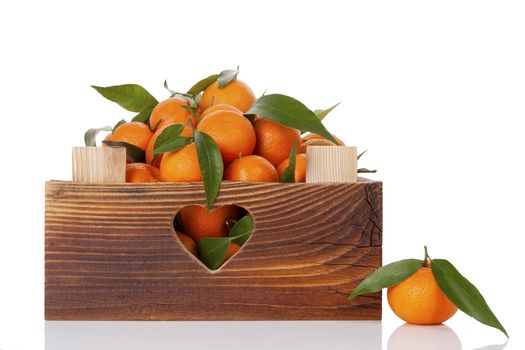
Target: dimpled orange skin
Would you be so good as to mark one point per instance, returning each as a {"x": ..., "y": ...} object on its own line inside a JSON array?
[
  {"x": 198, "y": 222},
  {"x": 251, "y": 169},
  {"x": 233, "y": 248},
  {"x": 300, "y": 167},
  {"x": 135, "y": 133},
  {"x": 151, "y": 144},
  {"x": 312, "y": 136},
  {"x": 418, "y": 299},
  {"x": 219, "y": 107},
  {"x": 140, "y": 172},
  {"x": 181, "y": 166},
  {"x": 232, "y": 132},
  {"x": 170, "y": 111},
  {"x": 236, "y": 93},
  {"x": 274, "y": 141},
  {"x": 188, "y": 243}
]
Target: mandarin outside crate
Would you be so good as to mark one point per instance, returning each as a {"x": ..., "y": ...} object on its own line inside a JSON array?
[{"x": 111, "y": 252}]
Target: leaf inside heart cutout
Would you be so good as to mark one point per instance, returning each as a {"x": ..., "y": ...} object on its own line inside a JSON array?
[{"x": 213, "y": 236}]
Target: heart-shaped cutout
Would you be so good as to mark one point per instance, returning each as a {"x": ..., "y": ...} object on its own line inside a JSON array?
[{"x": 213, "y": 236}]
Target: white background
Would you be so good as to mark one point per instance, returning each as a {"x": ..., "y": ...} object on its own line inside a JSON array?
[{"x": 434, "y": 90}]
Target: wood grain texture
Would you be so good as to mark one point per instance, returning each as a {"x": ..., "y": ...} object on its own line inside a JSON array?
[
  {"x": 111, "y": 253},
  {"x": 99, "y": 164},
  {"x": 331, "y": 164}
]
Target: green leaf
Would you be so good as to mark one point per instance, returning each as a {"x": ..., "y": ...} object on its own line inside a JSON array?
[
  {"x": 288, "y": 175},
  {"x": 321, "y": 113},
  {"x": 289, "y": 112},
  {"x": 212, "y": 251},
  {"x": 90, "y": 137},
  {"x": 366, "y": 171},
  {"x": 120, "y": 122},
  {"x": 143, "y": 116},
  {"x": 168, "y": 134},
  {"x": 202, "y": 85},
  {"x": 242, "y": 230},
  {"x": 463, "y": 294},
  {"x": 387, "y": 276},
  {"x": 172, "y": 92},
  {"x": 361, "y": 154},
  {"x": 226, "y": 76},
  {"x": 172, "y": 146},
  {"x": 193, "y": 112},
  {"x": 210, "y": 163},
  {"x": 133, "y": 153},
  {"x": 132, "y": 97}
]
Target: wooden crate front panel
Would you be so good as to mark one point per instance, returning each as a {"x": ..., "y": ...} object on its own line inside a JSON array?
[{"x": 111, "y": 253}]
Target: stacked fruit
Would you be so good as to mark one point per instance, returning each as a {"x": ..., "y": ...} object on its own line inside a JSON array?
[{"x": 215, "y": 131}]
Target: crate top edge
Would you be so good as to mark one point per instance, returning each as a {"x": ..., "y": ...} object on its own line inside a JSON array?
[{"x": 226, "y": 183}]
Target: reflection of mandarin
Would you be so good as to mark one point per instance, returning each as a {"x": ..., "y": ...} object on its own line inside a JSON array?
[
  {"x": 151, "y": 144},
  {"x": 418, "y": 299},
  {"x": 198, "y": 222},
  {"x": 170, "y": 111},
  {"x": 232, "y": 132},
  {"x": 135, "y": 133},
  {"x": 181, "y": 166},
  {"x": 236, "y": 93},
  {"x": 274, "y": 141},
  {"x": 414, "y": 337},
  {"x": 251, "y": 169},
  {"x": 300, "y": 167}
]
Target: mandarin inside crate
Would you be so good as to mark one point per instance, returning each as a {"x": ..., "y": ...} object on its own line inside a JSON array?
[{"x": 112, "y": 253}]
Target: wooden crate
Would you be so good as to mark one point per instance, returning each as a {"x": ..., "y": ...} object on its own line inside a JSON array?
[{"x": 111, "y": 253}]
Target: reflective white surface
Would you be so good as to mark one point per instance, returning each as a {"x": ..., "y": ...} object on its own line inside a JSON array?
[
  {"x": 329, "y": 335},
  {"x": 79, "y": 335}
]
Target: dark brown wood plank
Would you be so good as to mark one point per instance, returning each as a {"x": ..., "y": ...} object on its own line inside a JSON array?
[{"x": 111, "y": 253}]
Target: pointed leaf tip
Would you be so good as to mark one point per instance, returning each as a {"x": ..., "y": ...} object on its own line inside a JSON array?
[{"x": 462, "y": 293}]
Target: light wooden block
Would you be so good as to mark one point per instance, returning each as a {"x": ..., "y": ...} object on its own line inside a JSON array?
[
  {"x": 99, "y": 164},
  {"x": 331, "y": 164}
]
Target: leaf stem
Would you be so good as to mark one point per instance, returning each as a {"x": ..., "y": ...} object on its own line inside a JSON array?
[{"x": 426, "y": 259}]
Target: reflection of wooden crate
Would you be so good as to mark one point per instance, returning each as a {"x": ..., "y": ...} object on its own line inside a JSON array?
[{"x": 111, "y": 253}]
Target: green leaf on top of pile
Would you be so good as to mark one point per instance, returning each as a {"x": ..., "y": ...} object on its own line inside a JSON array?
[
  {"x": 173, "y": 145},
  {"x": 288, "y": 175},
  {"x": 120, "y": 122},
  {"x": 210, "y": 163},
  {"x": 132, "y": 97},
  {"x": 193, "y": 112},
  {"x": 462, "y": 293},
  {"x": 387, "y": 276},
  {"x": 143, "y": 116},
  {"x": 289, "y": 112},
  {"x": 170, "y": 140},
  {"x": 242, "y": 230},
  {"x": 133, "y": 153},
  {"x": 202, "y": 85},
  {"x": 90, "y": 137},
  {"x": 361, "y": 154},
  {"x": 321, "y": 113},
  {"x": 226, "y": 76},
  {"x": 212, "y": 251},
  {"x": 172, "y": 92}
]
